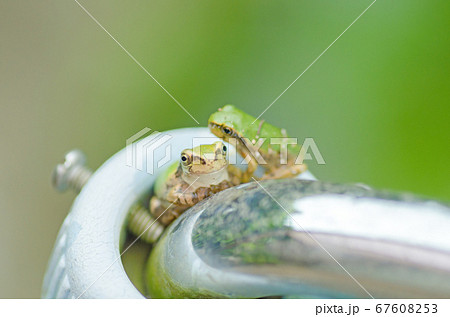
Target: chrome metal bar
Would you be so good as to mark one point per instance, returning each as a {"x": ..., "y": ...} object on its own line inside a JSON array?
[{"x": 241, "y": 243}]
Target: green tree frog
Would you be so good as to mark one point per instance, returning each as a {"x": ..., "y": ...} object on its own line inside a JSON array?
[{"x": 259, "y": 142}]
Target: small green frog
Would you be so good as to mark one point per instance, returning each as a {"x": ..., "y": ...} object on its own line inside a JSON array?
[
  {"x": 201, "y": 172},
  {"x": 260, "y": 143}
]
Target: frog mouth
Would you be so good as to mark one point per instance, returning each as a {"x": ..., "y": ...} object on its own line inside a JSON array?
[
  {"x": 206, "y": 179},
  {"x": 220, "y": 170},
  {"x": 214, "y": 127},
  {"x": 218, "y": 127}
]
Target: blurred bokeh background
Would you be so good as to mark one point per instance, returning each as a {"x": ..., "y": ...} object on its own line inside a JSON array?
[{"x": 377, "y": 103}]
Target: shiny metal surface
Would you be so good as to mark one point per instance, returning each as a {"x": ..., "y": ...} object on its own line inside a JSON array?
[
  {"x": 243, "y": 243},
  {"x": 85, "y": 261}
]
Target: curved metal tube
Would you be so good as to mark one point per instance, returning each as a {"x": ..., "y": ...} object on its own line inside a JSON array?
[
  {"x": 86, "y": 257},
  {"x": 316, "y": 240},
  {"x": 241, "y": 243}
]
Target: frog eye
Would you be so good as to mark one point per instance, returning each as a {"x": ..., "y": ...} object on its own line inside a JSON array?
[
  {"x": 227, "y": 131},
  {"x": 224, "y": 148},
  {"x": 185, "y": 158}
]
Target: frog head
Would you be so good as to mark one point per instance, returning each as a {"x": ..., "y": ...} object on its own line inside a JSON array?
[
  {"x": 204, "y": 159},
  {"x": 229, "y": 122}
]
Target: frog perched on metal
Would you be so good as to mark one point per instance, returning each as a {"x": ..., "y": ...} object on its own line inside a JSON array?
[
  {"x": 201, "y": 172},
  {"x": 258, "y": 141}
]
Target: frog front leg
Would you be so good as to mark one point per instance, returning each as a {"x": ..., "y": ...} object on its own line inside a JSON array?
[
  {"x": 182, "y": 197},
  {"x": 247, "y": 151},
  {"x": 176, "y": 204},
  {"x": 234, "y": 174},
  {"x": 252, "y": 165},
  {"x": 165, "y": 211}
]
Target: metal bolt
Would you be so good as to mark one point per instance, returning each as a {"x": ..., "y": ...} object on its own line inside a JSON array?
[
  {"x": 142, "y": 224},
  {"x": 72, "y": 173}
]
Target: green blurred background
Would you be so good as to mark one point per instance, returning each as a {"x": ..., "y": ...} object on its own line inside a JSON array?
[{"x": 377, "y": 103}]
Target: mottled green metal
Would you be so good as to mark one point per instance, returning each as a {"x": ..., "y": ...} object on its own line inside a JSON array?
[{"x": 242, "y": 243}]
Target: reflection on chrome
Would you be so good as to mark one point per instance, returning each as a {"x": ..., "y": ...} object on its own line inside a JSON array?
[{"x": 241, "y": 243}]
